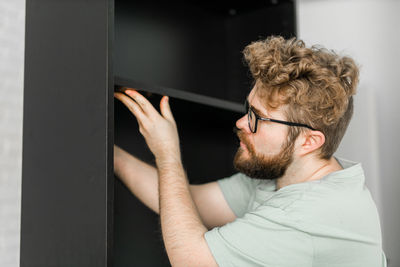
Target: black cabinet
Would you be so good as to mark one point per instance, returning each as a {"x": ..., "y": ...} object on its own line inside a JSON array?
[
  {"x": 196, "y": 46},
  {"x": 75, "y": 212}
]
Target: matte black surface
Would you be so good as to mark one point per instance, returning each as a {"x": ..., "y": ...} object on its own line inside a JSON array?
[
  {"x": 208, "y": 145},
  {"x": 195, "y": 47},
  {"x": 67, "y": 171}
]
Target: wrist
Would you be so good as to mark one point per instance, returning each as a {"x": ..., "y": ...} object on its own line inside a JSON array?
[
  {"x": 168, "y": 159},
  {"x": 169, "y": 155}
]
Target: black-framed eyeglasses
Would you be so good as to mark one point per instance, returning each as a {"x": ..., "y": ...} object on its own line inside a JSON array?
[{"x": 253, "y": 119}]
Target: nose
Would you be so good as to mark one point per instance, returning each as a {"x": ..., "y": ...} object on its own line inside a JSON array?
[{"x": 243, "y": 124}]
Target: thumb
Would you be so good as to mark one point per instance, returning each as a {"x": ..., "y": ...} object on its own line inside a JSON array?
[{"x": 166, "y": 109}]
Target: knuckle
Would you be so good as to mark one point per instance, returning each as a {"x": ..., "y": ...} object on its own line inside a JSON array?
[
  {"x": 141, "y": 130},
  {"x": 132, "y": 109},
  {"x": 139, "y": 101}
]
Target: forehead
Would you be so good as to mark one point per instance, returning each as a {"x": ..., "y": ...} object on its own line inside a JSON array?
[
  {"x": 254, "y": 100},
  {"x": 261, "y": 109}
]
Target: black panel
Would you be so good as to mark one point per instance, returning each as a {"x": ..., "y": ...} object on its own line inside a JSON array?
[
  {"x": 195, "y": 47},
  {"x": 67, "y": 171},
  {"x": 208, "y": 145}
]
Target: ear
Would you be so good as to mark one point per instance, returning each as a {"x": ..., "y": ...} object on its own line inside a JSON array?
[{"x": 311, "y": 141}]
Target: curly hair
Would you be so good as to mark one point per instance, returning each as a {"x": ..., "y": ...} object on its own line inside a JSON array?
[{"x": 315, "y": 85}]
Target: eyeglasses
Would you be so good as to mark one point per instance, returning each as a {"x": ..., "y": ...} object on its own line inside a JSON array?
[{"x": 253, "y": 119}]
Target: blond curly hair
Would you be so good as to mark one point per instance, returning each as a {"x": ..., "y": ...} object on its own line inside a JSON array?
[{"x": 314, "y": 84}]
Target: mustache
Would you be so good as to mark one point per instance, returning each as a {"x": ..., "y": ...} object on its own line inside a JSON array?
[{"x": 240, "y": 135}]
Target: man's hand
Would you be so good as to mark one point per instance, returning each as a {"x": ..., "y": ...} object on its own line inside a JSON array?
[
  {"x": 181, "y": 225},
  {"x": 159, "y": 130}
]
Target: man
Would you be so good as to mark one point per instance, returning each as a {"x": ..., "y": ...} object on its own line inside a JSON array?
[{"x": 292, "y": 203}]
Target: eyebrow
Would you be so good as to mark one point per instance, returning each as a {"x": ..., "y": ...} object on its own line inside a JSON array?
[{"x": 259, "y": 112}]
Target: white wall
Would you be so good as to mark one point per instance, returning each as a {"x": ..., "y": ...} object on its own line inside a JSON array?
[
  {"x": 12, "y": 39},
  {"x": 368, "y": 31}
]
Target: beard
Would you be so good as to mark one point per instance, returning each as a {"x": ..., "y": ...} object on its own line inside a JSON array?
[{"x": 260, "y": 166}]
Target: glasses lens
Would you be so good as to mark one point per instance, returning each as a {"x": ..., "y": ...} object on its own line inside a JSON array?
[
  {"x": 251, "y": 116},
  {"x": 252, "y": 120}
]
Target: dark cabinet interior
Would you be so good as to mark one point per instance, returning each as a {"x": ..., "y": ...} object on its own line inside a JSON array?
[
  {"x": 191, "y": 52},
  {"x": 74, "y": 211},
  {"x": 194, "y": 46}
]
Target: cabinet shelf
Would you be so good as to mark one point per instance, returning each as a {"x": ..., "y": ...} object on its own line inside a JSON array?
[{"x": 122, "y": 83}]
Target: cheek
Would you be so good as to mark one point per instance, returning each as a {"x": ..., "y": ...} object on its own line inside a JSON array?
[{"x": 269, "y": 142}]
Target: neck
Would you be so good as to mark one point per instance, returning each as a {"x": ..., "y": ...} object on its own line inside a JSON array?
[{"x": 307, "y": 169}]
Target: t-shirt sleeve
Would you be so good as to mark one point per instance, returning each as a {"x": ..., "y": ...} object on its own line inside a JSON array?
[
  {"x": 238, "y": 191},
  {"x": 253, "y": 240}
]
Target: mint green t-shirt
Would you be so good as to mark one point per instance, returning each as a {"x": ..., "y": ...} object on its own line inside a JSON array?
[{"x": 328, "y": 222}]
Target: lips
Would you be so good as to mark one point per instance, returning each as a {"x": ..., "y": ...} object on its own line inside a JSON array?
[
  {"x": 242, "y": 139},
  {"x": 242, "y": 145}
]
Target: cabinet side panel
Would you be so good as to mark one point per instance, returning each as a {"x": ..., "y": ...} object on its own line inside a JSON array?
[{"x": 67, "y": 134}]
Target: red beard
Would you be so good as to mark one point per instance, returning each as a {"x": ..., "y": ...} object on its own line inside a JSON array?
[{"x": 260, "y": 166}]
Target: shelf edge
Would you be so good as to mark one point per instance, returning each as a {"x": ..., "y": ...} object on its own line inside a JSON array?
[{"x": 193, "y": 97}]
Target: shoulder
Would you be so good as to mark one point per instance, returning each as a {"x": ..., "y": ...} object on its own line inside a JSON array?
[
  {"x": 336, "y": 202},
  {"x": 239, "y": 179}
]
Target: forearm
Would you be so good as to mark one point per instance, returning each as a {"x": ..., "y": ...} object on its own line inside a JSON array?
[
  {"x": 140, "y": 177},
  {"x": 182, "y": 228}
]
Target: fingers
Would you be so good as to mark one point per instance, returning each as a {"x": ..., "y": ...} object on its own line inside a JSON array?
[
  {"x": 143, "y": 102},
  {"x": 166, "y": 109},
  {"x": 142, "y": 108},
  {"x": 132, "y": 106}
]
